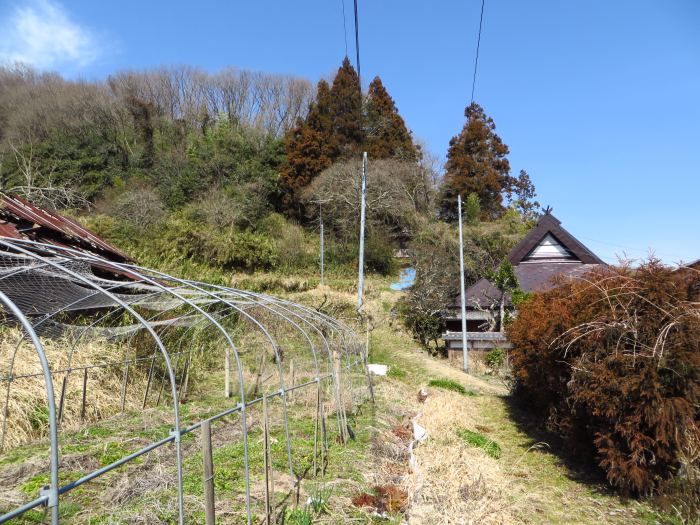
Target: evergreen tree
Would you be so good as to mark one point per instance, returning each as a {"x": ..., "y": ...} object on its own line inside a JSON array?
[
  {"x": 346, "y": 109},
  {"x": 387, "y": 135},
  {"x": 333, "y": 130},
  {"x": 320, "y": 118},
  {"x": 311, "y": 145},
  {"x": 476, "y": 163},
  {"x": 472, "y": 208}
]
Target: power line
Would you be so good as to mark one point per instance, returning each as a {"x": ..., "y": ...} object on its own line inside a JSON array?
[
  {"x": 357, "y": 48},
  {"x": 478, "y": 43},
  {"x": 345, "y": 29}
]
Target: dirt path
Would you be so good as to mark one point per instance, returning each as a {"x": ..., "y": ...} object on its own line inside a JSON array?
[{"x": 458, "y": 483}]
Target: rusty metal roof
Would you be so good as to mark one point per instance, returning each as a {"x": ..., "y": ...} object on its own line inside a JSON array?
[{"x": 19, "y": 219}]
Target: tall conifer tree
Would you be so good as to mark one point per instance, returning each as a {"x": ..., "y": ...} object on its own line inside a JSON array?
[
  {"x": 476, "y": 163},
  {"x": 311, "y": 145},
  {"x": 346, "y": 109},
  {"x": 387, "y": 134},
  {"x": 335, "y": 128}
]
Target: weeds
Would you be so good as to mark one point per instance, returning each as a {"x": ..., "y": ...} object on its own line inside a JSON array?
[
  {"x": 495, "y": 358},
  {"x": 297, "y": 516},
  {"x": 449, "y": 384},
  {"x": 396, "y": 373},
  {"x": 318, "y": 501},
  {"x": 475, "y": 439}
]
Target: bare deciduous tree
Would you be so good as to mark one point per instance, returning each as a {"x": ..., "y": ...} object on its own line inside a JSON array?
[
  {"x": 39, "y": 188},
  {"x": 397, "y": 195}
]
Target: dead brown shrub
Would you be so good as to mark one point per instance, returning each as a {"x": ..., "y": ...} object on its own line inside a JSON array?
[{"x": 612, "y": 362}]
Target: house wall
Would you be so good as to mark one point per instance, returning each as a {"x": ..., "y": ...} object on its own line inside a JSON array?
[{"x": 477, "y": 348}]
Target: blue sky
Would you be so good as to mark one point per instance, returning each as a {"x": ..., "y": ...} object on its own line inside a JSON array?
[{"x": 597, "y": 100}]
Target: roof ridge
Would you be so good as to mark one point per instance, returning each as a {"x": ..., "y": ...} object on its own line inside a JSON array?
[{"x": 549, "y": 224}]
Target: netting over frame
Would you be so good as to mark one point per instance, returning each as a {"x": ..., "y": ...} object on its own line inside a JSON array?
[{"x": 82, "y": 339}]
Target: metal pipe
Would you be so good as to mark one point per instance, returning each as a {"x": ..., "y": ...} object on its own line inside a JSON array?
[
  {"x": 319, "y": 322},
  {"x": 149, "y": 329},
  {"x": 465, "y": 350},
  {"x": 24, "y": 508},
  {"x": 52, "y": 495},
  {"x": 322, "y": 252},
  {"x": 361, "y": 262}
]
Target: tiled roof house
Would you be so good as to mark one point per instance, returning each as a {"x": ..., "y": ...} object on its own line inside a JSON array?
[{"x": 546, "y": 254}]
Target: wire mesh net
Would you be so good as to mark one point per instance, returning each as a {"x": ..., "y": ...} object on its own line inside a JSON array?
[{"x": 127, "y": 374}]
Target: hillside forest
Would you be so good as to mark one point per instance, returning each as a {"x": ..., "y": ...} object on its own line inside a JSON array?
[{"x": 232, "y": 172}]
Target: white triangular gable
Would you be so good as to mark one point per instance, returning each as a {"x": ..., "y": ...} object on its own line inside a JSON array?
[{"x": 549, "y": 248}]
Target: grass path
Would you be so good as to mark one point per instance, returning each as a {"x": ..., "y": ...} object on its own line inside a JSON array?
[{"x": 457, "y": 483}]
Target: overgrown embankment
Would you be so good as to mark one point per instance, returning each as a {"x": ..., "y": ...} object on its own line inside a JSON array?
[{"x": 459, "y": 479}]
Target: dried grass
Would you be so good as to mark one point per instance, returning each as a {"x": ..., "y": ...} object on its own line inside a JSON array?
[
  {"x": 455, "y": 483},
  {"x": 27, "y": 412},
  {"x": 385, "y": 498}
]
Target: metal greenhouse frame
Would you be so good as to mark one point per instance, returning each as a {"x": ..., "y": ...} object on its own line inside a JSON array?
[{"x": 50, "y": 293}]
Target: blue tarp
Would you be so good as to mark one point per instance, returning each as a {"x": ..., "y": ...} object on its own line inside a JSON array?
[{"x": 406, "y": 279}]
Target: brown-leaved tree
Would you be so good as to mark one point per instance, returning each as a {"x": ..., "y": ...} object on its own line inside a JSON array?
[
  {"x": 476, "y": 163},
  {"x": 310, "y": 146},
  {"x": 611, "y": 361},
  {"x": 339, "y": 127},
  {"x": 387, "y": 134}
]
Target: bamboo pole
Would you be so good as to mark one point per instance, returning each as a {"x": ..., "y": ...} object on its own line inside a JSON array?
[{"x": 82, "y": 406}]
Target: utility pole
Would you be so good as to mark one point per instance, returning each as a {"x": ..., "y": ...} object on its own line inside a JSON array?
[
  {"x": 361, "y": 263},
  {"x": 465, "y": 350},
  {"x": 320, "y": 216}
]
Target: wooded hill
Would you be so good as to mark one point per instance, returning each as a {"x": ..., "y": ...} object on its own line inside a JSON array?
[{"x": 233, "y": 168}]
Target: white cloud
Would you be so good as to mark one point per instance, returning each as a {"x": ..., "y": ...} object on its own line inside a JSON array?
[{"x": 42, "y": 34}]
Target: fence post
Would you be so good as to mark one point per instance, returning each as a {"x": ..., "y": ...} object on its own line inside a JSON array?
[
  {"x": 63, "y": 397},
  {"x": 365, "y": 359},
  {"x": 291, "y": 373},
  {"x": 148, "y": 383},
  {"x": 209, "y": 514},
  {"x": 266, "y": 463},
  {"x": 316, "y": 423},
  {"x": 82, "y": 407},
  {"x": 340, "y": 408},
  {"x": 126, "y": 378}
]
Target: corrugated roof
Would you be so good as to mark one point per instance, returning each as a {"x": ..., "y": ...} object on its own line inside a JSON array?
[{"x": 19, "y": 219}]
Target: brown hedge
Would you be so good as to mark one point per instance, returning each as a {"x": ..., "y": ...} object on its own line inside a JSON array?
[{"x": 612, "y": 362}]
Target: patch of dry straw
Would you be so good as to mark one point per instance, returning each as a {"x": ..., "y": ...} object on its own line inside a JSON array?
[
  {"x": 24, "y": 412},
  {"x": 455, "y": 483}
]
